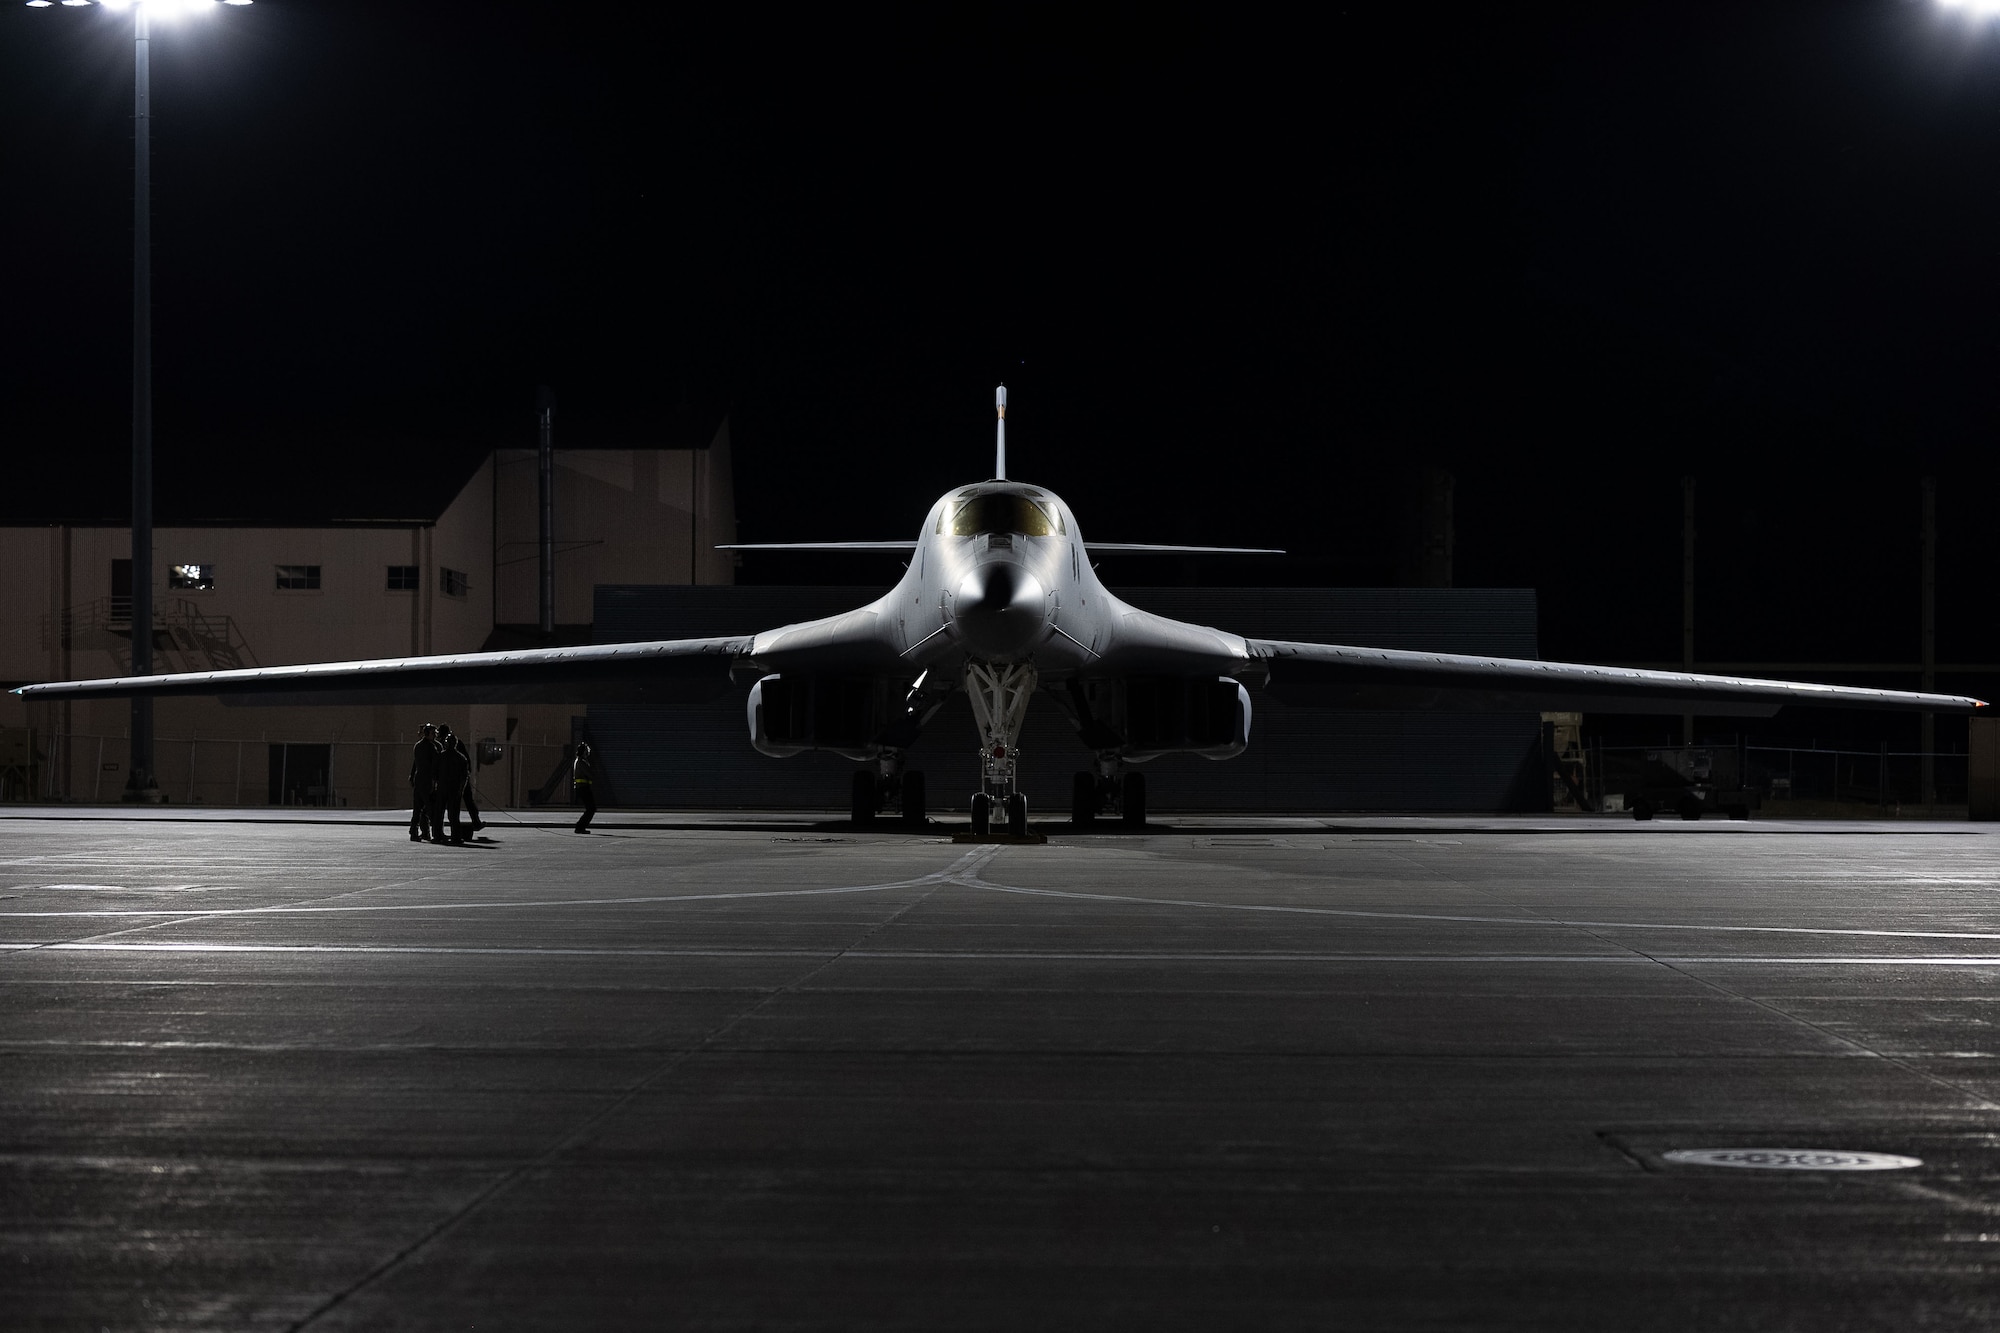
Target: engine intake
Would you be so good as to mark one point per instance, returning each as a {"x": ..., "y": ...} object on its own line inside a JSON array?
[
  {"x": 853, "y": 716},
  {"x": 1142, "y": 717}
]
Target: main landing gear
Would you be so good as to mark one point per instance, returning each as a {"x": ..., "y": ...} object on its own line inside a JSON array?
[
  {"x": 873, "y": 790},
  {"x": 1093, "y": 794},
  {"x": 999, "y": 695}
]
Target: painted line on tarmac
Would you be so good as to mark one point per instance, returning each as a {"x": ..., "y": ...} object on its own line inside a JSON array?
[
  {"x": 969, "y": 864},
  {"x": 1032, "y": 956},
  {"x": 1542, "y": 921}
]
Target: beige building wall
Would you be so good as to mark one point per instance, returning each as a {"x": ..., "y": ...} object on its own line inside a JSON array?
[{"x": 623, "y": 516}]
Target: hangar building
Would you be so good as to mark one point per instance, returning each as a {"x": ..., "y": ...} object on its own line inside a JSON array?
[{"x": 241, "y": 593}]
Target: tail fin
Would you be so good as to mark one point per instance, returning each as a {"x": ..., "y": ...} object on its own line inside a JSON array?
[{"x": 1000, "y": 441}]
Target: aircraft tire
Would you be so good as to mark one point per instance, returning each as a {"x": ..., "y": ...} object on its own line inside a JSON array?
[
  {"x": 982, "y": 814},
  {"x": 1642, "y": 809},
  {"x": 1017, "y": 815},
  {"x": 1134, "y": 802},
  {"x": 913, "y": 800},
  {"x": 1690, "y": 809},
  {"x": 1083, "y": 800},
  {"x": 861, "y": 799}
]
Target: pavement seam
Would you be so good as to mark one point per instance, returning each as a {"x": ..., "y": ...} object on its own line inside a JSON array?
[
  {"x": 971, "y": 861},
  {"x": 1979, "y": 1099},
  {"x": 1668, "y": 962},
  {"x": 1532, "y": 920}
]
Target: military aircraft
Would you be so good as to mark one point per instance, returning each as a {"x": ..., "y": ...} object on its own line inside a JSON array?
[{"x": 999, "y": 600}]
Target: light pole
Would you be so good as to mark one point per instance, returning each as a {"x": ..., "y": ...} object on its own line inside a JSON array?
[{"x": 140, "y": 784}]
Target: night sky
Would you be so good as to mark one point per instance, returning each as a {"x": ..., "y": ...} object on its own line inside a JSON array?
[{"x": 1242, "y": 278}]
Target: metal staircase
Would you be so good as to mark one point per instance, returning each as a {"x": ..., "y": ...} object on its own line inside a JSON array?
[{"x": 189, "y": 638}]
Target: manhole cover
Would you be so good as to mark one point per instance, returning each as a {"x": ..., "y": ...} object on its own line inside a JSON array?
[{"x": 1791, "y": 1159}]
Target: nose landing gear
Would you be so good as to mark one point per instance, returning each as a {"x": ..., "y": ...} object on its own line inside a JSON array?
[{"x": 999, "y": 695}]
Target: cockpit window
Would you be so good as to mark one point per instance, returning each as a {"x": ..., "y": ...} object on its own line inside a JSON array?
[{"x": 983, "y": 514}]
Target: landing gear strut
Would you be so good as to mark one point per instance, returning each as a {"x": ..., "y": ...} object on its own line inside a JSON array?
[
  {"x": 999, "y": 695},
  {"x": 873, "y": 790},
  {"x": 1109, "y": 787}
]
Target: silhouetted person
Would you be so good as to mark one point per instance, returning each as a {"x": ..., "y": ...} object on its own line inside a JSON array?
[
  {"x": 451, "y": 777},
  {"x": 582, "y": 783},
  {"x": 423, "y": 784},
  {"x": 473, "y": 773},
  {"x": 471, "y": 769}
]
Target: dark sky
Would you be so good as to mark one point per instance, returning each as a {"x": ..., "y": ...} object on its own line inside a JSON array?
[{"x": 1242, "y": 277}]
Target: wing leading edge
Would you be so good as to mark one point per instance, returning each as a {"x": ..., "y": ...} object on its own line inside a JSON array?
[
  {"x": 667, "y": 671},
  {"x": 903, "y": 547},
  {"x": 1336, "y": 676}
]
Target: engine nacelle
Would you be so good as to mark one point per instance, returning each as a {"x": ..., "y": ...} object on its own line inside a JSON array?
[
  {"x": 1144, "y": 717},
  {"x": 853, "y": 717}
]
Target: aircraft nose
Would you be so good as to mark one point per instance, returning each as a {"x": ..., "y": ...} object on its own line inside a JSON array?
[{"x": 999, "y": 609}]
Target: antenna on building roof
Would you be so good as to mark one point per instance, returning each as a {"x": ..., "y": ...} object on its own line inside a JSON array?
[{"x": 1000, "y": 441}]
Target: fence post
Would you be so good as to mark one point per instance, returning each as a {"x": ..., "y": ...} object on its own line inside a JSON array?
[{"x": 1982, "y": 768}]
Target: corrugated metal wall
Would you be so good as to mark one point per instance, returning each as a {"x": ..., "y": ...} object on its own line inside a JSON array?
[{"x": 1299, "y": 759}]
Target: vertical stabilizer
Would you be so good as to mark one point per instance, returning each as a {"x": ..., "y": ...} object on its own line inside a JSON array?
[{"x": 1000, "y": 440}]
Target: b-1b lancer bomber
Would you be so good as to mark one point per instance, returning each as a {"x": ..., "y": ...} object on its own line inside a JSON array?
[{"x": 1000, "y": 600}]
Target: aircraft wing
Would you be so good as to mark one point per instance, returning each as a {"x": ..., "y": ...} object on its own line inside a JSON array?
[
  {"x": 1331, "y": 675},
  {"x": 1156, "y": 549},
  {"x": 668, "y": 671},
  {"x": 899, "y": 547},
  {"x": 1153, "y": 547}
]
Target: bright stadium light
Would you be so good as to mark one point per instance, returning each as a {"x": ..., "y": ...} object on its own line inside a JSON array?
[
  {"x": 158, "y": 8},
  {"x": 1981, "y": 9},
  {"x": 141, "y": 784}
]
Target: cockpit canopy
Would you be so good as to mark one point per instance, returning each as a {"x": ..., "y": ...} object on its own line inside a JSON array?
[{"x": 980, "y": 512}]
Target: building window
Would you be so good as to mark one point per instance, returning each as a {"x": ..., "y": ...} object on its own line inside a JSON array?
[
  {"x": 193, "y": 578},
  {"x": 453, "y": 582},
  {"x": 402, "y": 578},
  {"x": 298, "y": 577}
]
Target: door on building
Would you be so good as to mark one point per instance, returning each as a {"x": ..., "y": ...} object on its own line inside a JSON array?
[
  {"x": 301, "y": 775},
  {"x": 121, "y": 589}
]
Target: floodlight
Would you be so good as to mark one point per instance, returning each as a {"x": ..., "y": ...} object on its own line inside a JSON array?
[
  {"x": 1983, "y": 9},
  {"x": 141, "y": 785},
  {"x": 163, "y": 8}
]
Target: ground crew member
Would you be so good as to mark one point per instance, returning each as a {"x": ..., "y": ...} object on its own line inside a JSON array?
[
  {"x": 582, "y": 771},
  {"x": 450, "y": 791},
  {"x": 471, "y": 770},
  {"x": 423, "y": 782}
]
